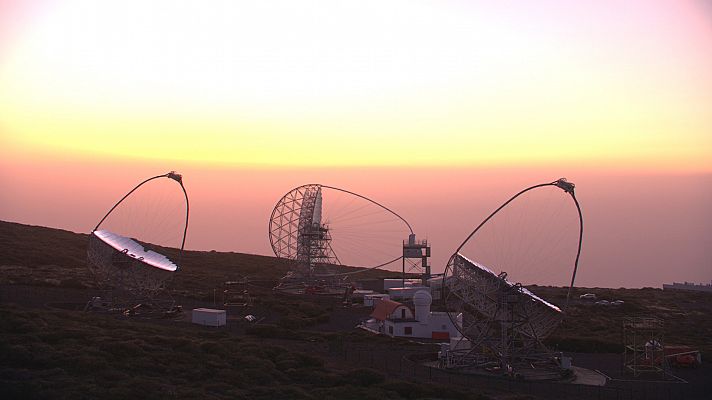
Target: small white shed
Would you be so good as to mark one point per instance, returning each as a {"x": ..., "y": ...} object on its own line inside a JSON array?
[{"x": 209, "y": 317}]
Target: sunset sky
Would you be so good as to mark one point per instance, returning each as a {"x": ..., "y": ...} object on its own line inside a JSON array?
[{"x": 254, "y": 98}]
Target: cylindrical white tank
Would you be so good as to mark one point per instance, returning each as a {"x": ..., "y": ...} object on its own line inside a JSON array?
[{"x": 422, "y": 301}]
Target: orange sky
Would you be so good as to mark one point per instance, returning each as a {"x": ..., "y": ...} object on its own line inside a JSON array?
[
  {"x": 641, "y": 229},
  {"x": 250, "y": 99},
  {"x": 333, "y": 83}
]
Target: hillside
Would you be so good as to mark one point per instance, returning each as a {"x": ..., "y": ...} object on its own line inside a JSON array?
[
  {"x": 297, "y": 343},
  {"x": 589, "y": 327},
  {"x": 60, "y": 354},
  {"x": 41, "y": 256}
]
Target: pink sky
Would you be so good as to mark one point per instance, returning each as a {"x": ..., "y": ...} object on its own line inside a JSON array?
[
  {"x": 641, "y": 229},
  {"x": 440, "y": 110}
]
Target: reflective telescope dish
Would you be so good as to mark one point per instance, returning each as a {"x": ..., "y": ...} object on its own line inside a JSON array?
[
  {"x": 135, "y": 250},
  {"x": 121, "y": 263},
  {"x": 503, "y": 321}
]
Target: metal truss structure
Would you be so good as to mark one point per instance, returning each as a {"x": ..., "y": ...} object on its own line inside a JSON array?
[
  {"x": 644, "y": 346},
  {"x": 298, "y": 234},
  {"x": 125, "y": 270},
  {"x": 236, "y": 293},
  {"x": 415, "y": 257},
  {"x": 123, "y": 273},
  {"x": 503, "y": 323}
]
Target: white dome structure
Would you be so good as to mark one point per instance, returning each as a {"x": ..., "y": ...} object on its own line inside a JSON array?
[
  {"x": 422, "y": 298},
  {"x": 396, "y": 319},
  {"x": 422, "y": 301}
]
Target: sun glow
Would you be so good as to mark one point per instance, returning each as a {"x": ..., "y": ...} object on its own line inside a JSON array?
[{"x": 359, "y": 84}]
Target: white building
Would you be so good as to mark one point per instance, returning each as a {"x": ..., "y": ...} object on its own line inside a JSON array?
[
  {"x": 209, "y": 317},
  {"x": 397, "y": 319}
]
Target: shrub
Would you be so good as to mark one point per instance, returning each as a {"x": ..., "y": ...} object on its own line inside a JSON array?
[
  {"x": 291, "y": 322},
  {"x": 314, "y": 377},
  {"x": 310, "y": 309},
  {"x": 364, "y": 377},
  {"x": 351, "y": 393},
  {"x": 16, "y": 355},
  {"x": 252, "y": 362},
  {"x": 583, "y": 345},
  {"x": 278, "y": 392},
  {"x": 212, "y": 348},
  {"x": 122, "y": 350},
  {"x": 271, "y": 331}
]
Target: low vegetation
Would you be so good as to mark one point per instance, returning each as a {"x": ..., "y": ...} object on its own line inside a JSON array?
[
  {"x": 41, "y": 256},
  {"x": 589, "y": 327},
  {"x": 74, "y": 355},
  {"x": 65, "y": 354}
]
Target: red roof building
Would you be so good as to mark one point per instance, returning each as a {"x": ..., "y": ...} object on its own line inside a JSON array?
[{"x": 389, "y": 309}]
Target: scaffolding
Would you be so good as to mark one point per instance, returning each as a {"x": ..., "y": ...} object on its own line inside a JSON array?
[
  {"x": 505, "y": 324},
  {"x": 644, "y": 346},
  {"x": 236, "y": 294},
  {"x": 415, "y": 258}
]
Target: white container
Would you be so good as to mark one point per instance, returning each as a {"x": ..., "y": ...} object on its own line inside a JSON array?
[{"x": 209, "y": 317}]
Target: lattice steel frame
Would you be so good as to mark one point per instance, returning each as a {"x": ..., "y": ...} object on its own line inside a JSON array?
[
  {"x": 504, "y": 325},
  {"x": 126, "y": 279},
  {"x": 295, "y": 236},
  {"x": 644, "y": 346}
]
